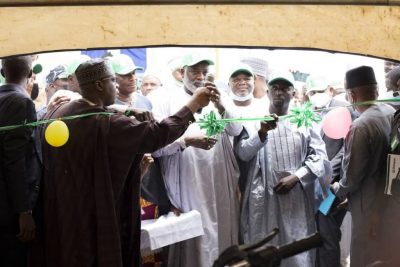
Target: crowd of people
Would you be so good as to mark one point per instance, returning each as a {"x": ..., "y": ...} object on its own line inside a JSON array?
[{"x": 141, "y": 155}]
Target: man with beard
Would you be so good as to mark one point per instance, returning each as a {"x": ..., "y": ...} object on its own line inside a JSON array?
[
  {"x": 286, "y": 162},
  {"x": 91, "y": 184},
  {"x": 201, "y": 172},
  {"x": 125, "y": 70}
]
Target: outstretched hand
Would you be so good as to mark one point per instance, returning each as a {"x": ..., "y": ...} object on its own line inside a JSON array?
[
  {"x": 59, "y": 100},
  {"x": 266, "y": 126},
  {"x": 145, "y": 163},
  {"x": 201, "y": 98},
  {"x": 215, "y": 97},
  {"x": 200, "y": 141}
]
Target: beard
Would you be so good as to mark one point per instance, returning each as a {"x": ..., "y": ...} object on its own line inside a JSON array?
[{"x": 190, "y": 85}]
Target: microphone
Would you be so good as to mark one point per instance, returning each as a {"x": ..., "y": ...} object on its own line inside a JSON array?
[{"x": 209, "y": 78}]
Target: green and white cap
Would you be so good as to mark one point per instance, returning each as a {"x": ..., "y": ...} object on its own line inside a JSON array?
[
  {"x": 122, "y": 64},
  {"x": 315, "y": 84},
  {"x": 241, "y": 68},
  {"x": 73, "y": 64},
  {"x": 195, "y": 58},
  {"x": 281, "y": 76}
]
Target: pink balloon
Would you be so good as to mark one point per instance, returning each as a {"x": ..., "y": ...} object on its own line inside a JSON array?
[{"x": 337, "y": 122}]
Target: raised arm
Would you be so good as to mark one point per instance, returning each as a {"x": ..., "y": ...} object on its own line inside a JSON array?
[{"x": 249, "y": 142}]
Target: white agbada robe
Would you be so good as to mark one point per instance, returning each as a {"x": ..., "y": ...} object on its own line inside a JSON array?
[
  {"x": 287, "y": 150},
  {"x": 258, "y": 108},
  {"x": 202, "y": 180}
]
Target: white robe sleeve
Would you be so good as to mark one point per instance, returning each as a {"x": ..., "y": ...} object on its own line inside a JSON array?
[
  {"x": 248, "y": 145},
  {"x": 232, "y": 128}
]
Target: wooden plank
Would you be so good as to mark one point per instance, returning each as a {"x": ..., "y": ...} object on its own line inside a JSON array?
[
  {"x": 369, "y": 30},
  {"x": 153, "y": 2}
]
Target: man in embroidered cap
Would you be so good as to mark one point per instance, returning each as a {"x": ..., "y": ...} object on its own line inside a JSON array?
[
  {"x": 285, "y": 163},
  {"x": 201, "y": 172},
  {"x": 364, "y": 165},
  {"x": 90, "y": 183},
  {"x": 260, "y": 69}
]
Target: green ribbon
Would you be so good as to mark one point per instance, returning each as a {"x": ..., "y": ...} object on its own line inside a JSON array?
[
  {"x": 300, "y": 116},
  {"x": 304, "y": 115},
  {"x": 40, "y": 122}
]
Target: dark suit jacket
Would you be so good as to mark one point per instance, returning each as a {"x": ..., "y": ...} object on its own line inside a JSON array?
[
  {"x": 18, "y": 177},
  {"x": 335, "y": 147}
]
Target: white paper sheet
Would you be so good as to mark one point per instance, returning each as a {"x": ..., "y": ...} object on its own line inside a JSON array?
[
  {"x": 393, "y": 172},
  {"x": 170, "y": 229}
]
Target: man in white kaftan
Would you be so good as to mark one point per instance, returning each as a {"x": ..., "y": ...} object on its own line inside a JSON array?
[
  {"x": 241, "y": 84},
  {"x": 201, "y": 173},
  {"x": 285, "y": 163}
]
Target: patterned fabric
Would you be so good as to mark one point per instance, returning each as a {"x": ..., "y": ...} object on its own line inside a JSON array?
[
  {"x": 150, "y": 211},
  {"x": 286, "y": 151},
  {"x": 93, "y": 70}
]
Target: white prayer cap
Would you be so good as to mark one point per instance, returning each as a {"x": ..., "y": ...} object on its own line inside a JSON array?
[{"x": 259, "y": 66}]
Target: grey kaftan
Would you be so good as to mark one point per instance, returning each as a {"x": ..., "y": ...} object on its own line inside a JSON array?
[
  {"x": 364, "y": 164},
  {"x": 287, "y": 150}
]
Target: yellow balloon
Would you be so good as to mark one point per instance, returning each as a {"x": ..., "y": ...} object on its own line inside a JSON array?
[{"x": 57, "y": 133}]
